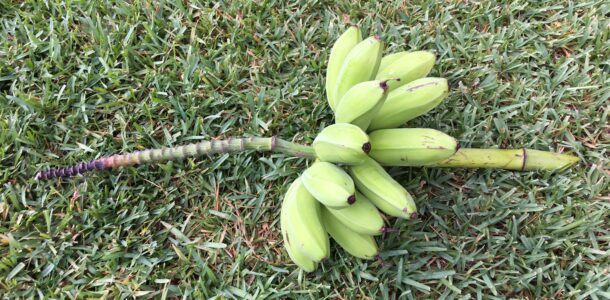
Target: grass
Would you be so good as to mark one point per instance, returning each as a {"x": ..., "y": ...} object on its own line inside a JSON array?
[{"x": 83, "y": 79}]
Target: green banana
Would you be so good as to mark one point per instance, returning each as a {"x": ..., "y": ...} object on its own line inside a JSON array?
[
  {"x": 346, "y": 42},
  {"x": 361, "y": 64},
  {"x": 329, "y": 184},
  {"x": 411, "y": 146},
  {"x": 342, "y": 143},
  {"x": 305, "y": 231},
  {"x": 410, "y": 101},
  {"x": 361, "y": 103},
  {"x": 362, "y": 217},
  {"x": 379, "y": 187},
  {"x": 407, "y": 66},
  {"x": 296, "y": 256},
  {"x": 357, "y": 244}
]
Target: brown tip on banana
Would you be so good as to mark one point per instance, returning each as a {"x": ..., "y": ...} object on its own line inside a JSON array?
[
  {"x": 366, "y": 147},
  {"x": 384, "y": 84}
]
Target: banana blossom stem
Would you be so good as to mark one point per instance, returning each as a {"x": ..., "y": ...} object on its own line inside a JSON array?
[{"x": 510, "y": 159}]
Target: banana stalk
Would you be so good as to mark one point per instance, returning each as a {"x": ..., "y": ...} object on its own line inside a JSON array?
[{"x": 509, "y": 159}]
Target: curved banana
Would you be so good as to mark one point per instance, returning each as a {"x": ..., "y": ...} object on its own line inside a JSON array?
[
  {"x": 346, "y": 42},
  {"x": 304, "y": 228},
  {"x": 329, "y": 184},
  {"x": 407, "y": 66},
  {"x": 361, "y": 64},
  {"x": 361, "y": 103},
  {"x": 362, "y": 217},
  {"x": 342, "y": 143},
  {"x": 296, "y": 256},
  {"x": 411, "y": 146},
  {"x": 389, "y": 60},
  {"x": 357, "y": 244},
  {"x": 379, "y": 187},
  {"x": 410, "y": 101}
]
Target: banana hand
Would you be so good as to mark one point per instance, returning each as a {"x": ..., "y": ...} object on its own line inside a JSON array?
[
  {"x": 346, "y": 42},
  {"x": 407, "y": 66},
  {"x": 410, "y": 101},
  {"x": 361, "y": 217},
  {"x": 411, "y": 146},
  {"x": 362, "y": 103},
  {"x": 361, "y": 64},
  {"x": 342, "y": 143},
  {"x": 295, "y": 255},
  {"x": 329, "y": 184},
  {"x": 303, "y": 223},
  {"x": 357, "y": 244},
  {"x": 379, "y": 187}
]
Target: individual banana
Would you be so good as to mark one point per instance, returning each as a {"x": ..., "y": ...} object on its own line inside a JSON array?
[
  {"x": 295, "y": 255},
  {"x": 407, "y": 66},
  {"x": 346, "y": 42},
  {"x": 361, "y": 103},
  {"x": 361, "y": 217},
  {"x": 410, "y": 101},
  {"x": 361, "y": 64},
  {"x": 379, "y": 187},
  {"x": 342, "y": 143},
  {"x": 329, "y": 184},
  {"x": 411, "y": 146},
  {"x": 357, "y": 244},
  {"x": 304, "y": 228}
]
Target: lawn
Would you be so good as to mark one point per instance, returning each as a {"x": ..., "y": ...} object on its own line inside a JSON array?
[{"x": 85, "y": 79}]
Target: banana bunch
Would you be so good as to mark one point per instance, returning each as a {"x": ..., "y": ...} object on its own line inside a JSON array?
[{"x": 345, "y": 192}]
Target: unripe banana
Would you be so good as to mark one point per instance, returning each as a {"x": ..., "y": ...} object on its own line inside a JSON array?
[
  {"x": 357, "y": 244},
  {"x": 411, "y": 146},
  {"x": 361, "y": 64},
  {"x": 346, "y": 42},
  {"x": 361, "y": 103},
  {"x": 407, "y": 66},
  {"x": 329, "y": 184},
  {"x": 410, "y": 101},
  {"x": 296, "y": 256},
  {"x": 342, "y": 143},
  {"x": 361, "y": 217},
  {"x": 379, "y": 187},
  {"x": 305, "y": 231}
]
